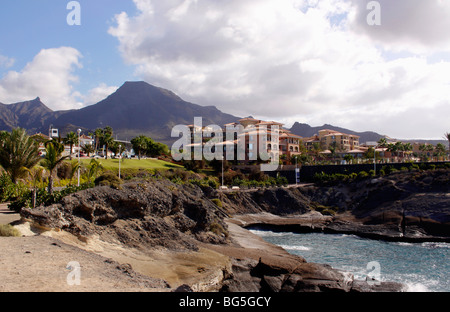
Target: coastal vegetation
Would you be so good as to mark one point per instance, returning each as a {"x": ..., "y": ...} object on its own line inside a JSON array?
[
  {"x": 336, "y": 178},
  {"x": 9, "y": 231},
  {"x": 29, "y": 180}
]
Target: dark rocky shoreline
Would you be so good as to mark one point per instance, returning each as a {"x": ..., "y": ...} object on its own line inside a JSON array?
[{"x": 407, "y": 206}]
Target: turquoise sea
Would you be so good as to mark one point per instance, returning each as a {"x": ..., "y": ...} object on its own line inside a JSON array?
[{"x": 423, "y": 267}]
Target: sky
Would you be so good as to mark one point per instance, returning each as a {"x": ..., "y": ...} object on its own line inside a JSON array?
[{"x": 365, "y": 65}]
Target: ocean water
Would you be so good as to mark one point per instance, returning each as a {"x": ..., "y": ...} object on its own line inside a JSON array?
[{"x": 423, "y": 267}]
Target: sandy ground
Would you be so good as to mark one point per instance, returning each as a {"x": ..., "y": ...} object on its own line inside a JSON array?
[{"x": 39, "y": 261}]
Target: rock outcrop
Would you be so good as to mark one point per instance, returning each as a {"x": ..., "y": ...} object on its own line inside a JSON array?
[
  {"x": 161, "y": 214},
  {"x": 141, "y": 215},
  {"x": 405, "y": 206}
]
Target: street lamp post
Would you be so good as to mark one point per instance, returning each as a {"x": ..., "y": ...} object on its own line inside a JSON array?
[
  {"x": 120, "y": 159},
  {"x": 79, "y": 161}
]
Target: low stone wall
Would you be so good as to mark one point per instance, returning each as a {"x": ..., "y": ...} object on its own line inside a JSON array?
[{"x": 307, "y": 172}]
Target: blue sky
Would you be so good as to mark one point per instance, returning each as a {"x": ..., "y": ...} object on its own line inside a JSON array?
[
  {"x": 311, "y": 61},
  {"x": 35, "y": 25}
]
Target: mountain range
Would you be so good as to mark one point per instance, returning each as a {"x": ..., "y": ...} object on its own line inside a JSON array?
[{"x": 136, "y": 108}]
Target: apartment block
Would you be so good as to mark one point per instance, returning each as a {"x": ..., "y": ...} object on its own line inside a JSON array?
[{"x": 342, "y": 142}]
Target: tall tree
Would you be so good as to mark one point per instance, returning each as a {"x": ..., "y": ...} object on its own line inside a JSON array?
[
  {"x": 94, "y": 167},
  {"x": 140, "y": 145},
  {"x": 107, "y": 140},
  {"x": 88, "y": 149},
  {"x": 382, "y": 142},
  {"x": 98, "y": 135},
  {"x": 430, "y": 149},
  {"x": 440, "y": 150},
  {"x": 18, "y": 152},
  {"x": 53, "y": 158},
  {"x": 71, "y": 139}
]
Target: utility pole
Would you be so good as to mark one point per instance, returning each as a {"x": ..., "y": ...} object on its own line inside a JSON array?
[
  {"x": 222, "y": 171},
  {"x": 120, "y": 159},
  {"x": 79, "y": 160}
]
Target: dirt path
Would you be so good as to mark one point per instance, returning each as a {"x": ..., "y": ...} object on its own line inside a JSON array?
[
  {"x": 7, "y": 216},
  {"x": 37, "y": 263},
  {"x": 43, "y": 264}
]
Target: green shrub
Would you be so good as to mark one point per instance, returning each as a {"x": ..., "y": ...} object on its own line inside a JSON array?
[
  {"x": 9, "y": 231},
  {"x": 218, "y": 229},
  {"x": 217, "y": 202},
  {"x": 108, "y": 179},
  {"x": 362, "y": 175},
  {"x": 414, "y": 167},
  {"x": 10, "y": 191},
  {"x": 282, "y": 181},
  {"x": 43, "y": 198}
]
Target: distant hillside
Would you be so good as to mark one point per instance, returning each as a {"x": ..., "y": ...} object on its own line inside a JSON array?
[
  {"x": 31, "y": 115},
  {"x": 135, "y": 108},
  {"x": 139, "y": 108},
  {"x": 305, "y": 130}
]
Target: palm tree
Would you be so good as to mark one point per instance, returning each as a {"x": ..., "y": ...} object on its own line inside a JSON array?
[
  {"x": 422, "y": 149},
  {"x": 382, "y": 142},
  {"x": 18, "y": 152},
  {"x": 94, "y": 167},
  {"x": 408, "y": 148},
  {"x": 316, "y": 151},
  {"x": 74, "y": 166},
  {"x": 88, "y": 149},
  {"x": 107, "y": 139},
  {"x": 36, "y": 176},
  {"x": 98, "y": 135},
  {"x": 430, "y": 149},
  {"x": 440, "y": 150},
  {"x": 140, "y": 144},
  {"x": 71, "y": 139},
  {"x": 52, "y": 160}
]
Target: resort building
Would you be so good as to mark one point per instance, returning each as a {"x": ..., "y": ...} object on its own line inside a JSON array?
[
  {"x": 259, "y": 137},
  {"x": 341, "y": 142},
  {"x": 289, "y": 143}
]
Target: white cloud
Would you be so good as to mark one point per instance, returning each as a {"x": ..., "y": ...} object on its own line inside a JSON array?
[
  {"x": 311, "y": 60},
  {"x": 49, "y": 75},
  {"x": 411, "y": 25},
  {"x": 6, "y": 62},
  {"x": 99, "y": 93}
]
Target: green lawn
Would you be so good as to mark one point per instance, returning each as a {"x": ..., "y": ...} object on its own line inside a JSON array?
[{"x": 112, "y": 164}]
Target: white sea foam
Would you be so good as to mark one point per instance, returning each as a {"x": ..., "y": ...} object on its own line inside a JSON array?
[
  {"x": 298, "y": 248},
  {"x": 263, "y": 233},
  {"x": 436, "y": 245},
  {"x": 416, "y": 287}
]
